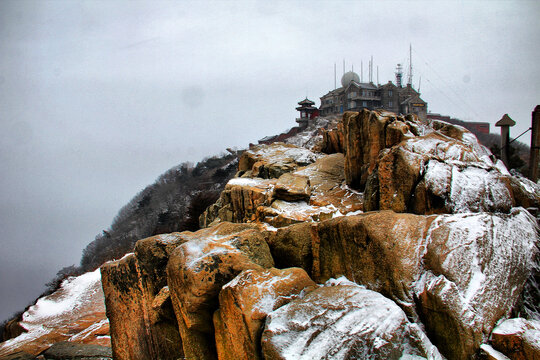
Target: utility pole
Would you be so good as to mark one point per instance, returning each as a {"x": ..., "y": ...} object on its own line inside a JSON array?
[
  {"x": 535, "y": 144},
  {"x": 505, "y": 123}
]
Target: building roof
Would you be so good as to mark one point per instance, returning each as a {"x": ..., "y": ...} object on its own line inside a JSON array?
[{"x": 306, "y": 101}]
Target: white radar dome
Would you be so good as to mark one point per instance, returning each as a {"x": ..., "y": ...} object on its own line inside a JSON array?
[{"x": 348, "y": 77}]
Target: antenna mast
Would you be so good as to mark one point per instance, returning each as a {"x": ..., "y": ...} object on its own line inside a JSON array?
[
  {"x": 399, "y": 75},
  {"x": 409, "y": 80},
  {"x": 371, "y": 70},
  {"x": 335, "y": 76}
]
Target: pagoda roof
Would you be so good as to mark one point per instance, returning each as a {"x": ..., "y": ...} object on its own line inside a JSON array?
[{"x": 306, "y": 101}]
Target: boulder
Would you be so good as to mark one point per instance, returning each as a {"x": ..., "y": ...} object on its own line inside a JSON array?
[
  {"x": 518, "y": 338},
  {"x": 244, "y": 303},
  {"x": 476, "y": 266},
  {"x": 293, "y": 187},
  {"x": 436, "y": 174},
  {"x": 67, "y": 351},
  {"x": 198, "y": 269},
  {"x": 342, "y": 320},
  {"x": 125, "y": 309},
  {"x": 380, "y": 250},
  {"x": 142, "y": 320},
  {"x": 239, "y": 201},
  {"x": 272, "y": 161},
  {"x": 455, "y": 272}
]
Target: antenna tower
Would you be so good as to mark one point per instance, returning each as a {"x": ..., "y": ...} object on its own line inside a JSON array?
[
  {"x": 399, "y": 75},
  {"x": 409, "y": 79},
  {"x": 335, "y": 76}
]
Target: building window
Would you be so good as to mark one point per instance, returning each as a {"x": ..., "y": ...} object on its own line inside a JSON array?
[
  {"x": 364, "y": 103},
  {"x": 390, "y": 94},
  {"x": 390, "y": 103}
]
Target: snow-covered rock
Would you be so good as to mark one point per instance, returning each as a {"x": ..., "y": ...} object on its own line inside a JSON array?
[
  {"x": 476, "y": 266},
  {"x": 407, "y": 165},
  {"x": 518, "y": 338},
  {"x": 75, "y": 313},
  {"x": 343, "y": 321},
  {"x": 197, "y": 270},
  {"x": 244, "y": 303},
  {"x": 272, "y": 161}
]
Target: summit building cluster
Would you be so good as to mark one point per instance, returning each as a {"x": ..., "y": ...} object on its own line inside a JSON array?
[{"x": 354, "y": 95}]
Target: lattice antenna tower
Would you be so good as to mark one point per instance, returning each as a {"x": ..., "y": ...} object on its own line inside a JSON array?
[
  {"x": 399, "y": 75},
  {"x": 409, "y": 79}
]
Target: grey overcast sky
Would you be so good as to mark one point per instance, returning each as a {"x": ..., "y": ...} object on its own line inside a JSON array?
[{"x": 98, "y": 98}]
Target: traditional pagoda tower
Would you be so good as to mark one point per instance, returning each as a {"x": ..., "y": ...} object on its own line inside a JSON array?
[{"x": 307, "y": 112}]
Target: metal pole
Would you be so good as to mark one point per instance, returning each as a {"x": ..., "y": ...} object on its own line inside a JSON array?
[
  {"x": 535, "y": 144},
  {"x": 505, "y": 144}
]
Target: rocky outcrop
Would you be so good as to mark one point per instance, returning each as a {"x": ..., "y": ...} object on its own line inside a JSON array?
[
  {"x": 406, "y": 165},
  {"x": 198, "y": 269},
  {"x": 342, "y": 320},
  {"x": 75, "y": 313},
  {"x": 311, "y": 193},
  {"x": 519, "y": 339},
  {"x": 441, "y": 259},
  {"x": 365, "y": 134},
  {"x": 244, "y": 303}
]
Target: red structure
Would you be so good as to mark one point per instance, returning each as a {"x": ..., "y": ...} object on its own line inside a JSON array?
[
  {"x": 475, "y": 127},
  {"x": 307, "y": 112}
]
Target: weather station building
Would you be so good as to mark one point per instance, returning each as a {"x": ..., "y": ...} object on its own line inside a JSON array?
[{"x": 355, "y": 95}]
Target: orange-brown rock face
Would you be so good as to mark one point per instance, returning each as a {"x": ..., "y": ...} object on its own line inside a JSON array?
[
  {"x": 407, "y": 165},
  {"x": 378, "y": 249},
  {"x": 74, "y": 313},
  {"x": 244, "y": 303},
  {"x": 125, "y": 310},
  {"x": 291, "y": 246},
  {"x": 142, "y": 320},
  {"x": 199, "y": 268},
  {"x": 365, "y": 135}
]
